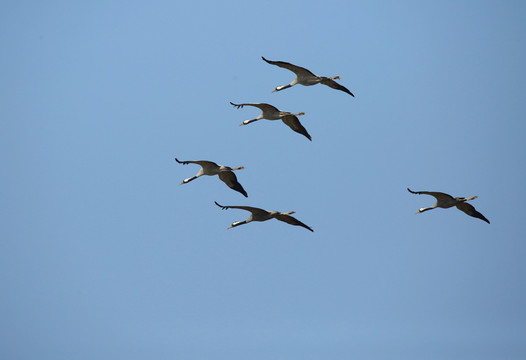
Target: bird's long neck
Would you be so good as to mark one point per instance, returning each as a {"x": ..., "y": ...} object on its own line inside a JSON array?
[
  {"x": 288, "y": 213},
  {"x": 425, "y": 209},
  {"x": 238, "y": 168},
  {"x": 300, "y": 113},
  {"x": 237, "y": 223},
  {"x": 246, "y": 122},
  {"x": 188, "y": 180},
  {"x": 279, "y": 88}
]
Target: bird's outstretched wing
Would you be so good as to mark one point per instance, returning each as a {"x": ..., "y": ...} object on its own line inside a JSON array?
[
  {"x": 333, "y": 84},
  {"x": 470, "y": 210},
  {"x": 296, "y": 69},
  {"x": 199, "y": 162},
  {"x": 293, "y": 122},
  {"x": 253, "y": 210},
  {"x": 292, "y": 221},
  {"x": 261, "y": 106},
  {"x": 229, "y": 178},
  {"x": 437, "y": 195}
]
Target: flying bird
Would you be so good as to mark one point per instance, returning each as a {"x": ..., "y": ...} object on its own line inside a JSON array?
[
  {"x": 306, "y": 78},
  {"x": 225, "y": 173},
  {"x": 258, "y": 214},
  {"x": 270, "y": 112},
  {"x": 446, "y": 201}
]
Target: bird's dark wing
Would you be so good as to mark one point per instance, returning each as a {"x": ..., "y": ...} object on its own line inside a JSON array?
[
  {"x": 199, "y": 162},
  {"x": 437, "y": 195},
  {"x": 229, "y": 178},
  {"x": 470, "y": 210},
  {"x": 292, "y": 221},
  {"x": 333, "y": 84},
  {"x": 253, "y": 210},
  {"x": 261, "y": 106},
  {"x": 289, "y": 66},
  {"x": 292, "y": 122}
]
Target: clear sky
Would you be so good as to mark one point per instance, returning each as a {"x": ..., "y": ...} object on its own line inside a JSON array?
[{"x": 103, "y": 255}]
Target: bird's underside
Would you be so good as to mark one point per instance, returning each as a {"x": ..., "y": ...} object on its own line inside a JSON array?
[
  {"x": 210, "y": 168},
  {"x": 446, "y": 201},
  {"x": 270, "y": 112},
  {"x": 258, "y": 214},
  {"x": 306, "y": 77}
]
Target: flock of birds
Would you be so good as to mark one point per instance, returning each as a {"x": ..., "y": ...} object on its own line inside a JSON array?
[{"x": 269, "y": 112}]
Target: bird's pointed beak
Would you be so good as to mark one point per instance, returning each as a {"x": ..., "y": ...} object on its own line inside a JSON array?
[
  {"x": 230, "y": 227},
  {"x": 274, "y": 90},
  {"x": 182, "y": 183}
]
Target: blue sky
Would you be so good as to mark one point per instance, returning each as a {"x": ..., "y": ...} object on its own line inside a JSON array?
[{"x": 103, "y": 255}]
